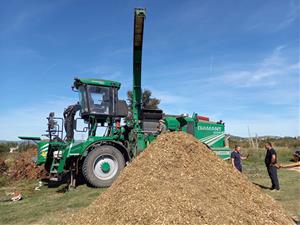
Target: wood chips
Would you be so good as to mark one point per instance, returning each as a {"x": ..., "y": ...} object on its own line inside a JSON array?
[
  {"x": 19, "y": 165},
  {"x": 178, "y": 180}
]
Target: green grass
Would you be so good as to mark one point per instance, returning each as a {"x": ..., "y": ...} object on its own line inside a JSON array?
[
  {"x": 49, "y": 205},
  {"x": 45, "y": 206},
  {"x": 289, "y": 195}
]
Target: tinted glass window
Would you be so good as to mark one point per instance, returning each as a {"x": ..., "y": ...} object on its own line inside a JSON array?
[
  {"x": 99, "y": 99},
  {"x": 82, "y": 99}
]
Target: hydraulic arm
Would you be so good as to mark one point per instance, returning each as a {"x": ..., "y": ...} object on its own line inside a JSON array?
[{"x": 137, "y": 64}]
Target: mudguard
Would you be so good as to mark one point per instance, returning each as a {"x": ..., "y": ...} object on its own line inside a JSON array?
[{"x": 42, "y": 148}]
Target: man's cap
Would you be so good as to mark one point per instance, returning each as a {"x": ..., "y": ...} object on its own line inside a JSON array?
[{"x": 162, "y": 121}]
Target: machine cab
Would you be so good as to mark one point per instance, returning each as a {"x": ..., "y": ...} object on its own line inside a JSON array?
[{"x": 99, "y": 98}]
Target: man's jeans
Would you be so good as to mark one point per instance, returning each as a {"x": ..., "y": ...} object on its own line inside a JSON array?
[{"x": 272, "y": 171}]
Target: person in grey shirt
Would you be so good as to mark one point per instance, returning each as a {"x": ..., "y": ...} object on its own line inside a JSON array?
[{"x": 161, "y": 127}]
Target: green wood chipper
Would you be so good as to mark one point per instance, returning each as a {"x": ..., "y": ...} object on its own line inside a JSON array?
[{"x": 100, "y": 159}]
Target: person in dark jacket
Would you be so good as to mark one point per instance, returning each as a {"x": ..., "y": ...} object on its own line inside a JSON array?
[
  {"x": 236, "y": 158},
  {"x": 270, "y": 162}
]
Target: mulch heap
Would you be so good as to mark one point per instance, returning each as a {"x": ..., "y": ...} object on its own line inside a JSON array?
[
  {"x": 178, "y": 180},
  {"x": 19, "y": 166}
]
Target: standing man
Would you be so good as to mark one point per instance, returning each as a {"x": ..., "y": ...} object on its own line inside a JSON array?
[
  {"x": 236, "y": 158},
  {"x": 270, "y": 161},
  {"x": 161, "y": 127}
]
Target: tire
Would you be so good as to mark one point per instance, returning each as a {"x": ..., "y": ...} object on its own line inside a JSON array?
[{"x": 102, "y": 166}]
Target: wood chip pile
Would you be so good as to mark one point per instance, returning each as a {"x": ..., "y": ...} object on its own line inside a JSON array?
[
  {"x": 178, "y": 180},
  {"x": 20, "y": 166}
]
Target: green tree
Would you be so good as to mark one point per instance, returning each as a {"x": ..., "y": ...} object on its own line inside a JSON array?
[{"x": 148, "y": 102}]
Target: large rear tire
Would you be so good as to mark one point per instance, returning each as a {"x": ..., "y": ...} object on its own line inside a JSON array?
[{"x": 102, "y": 166}]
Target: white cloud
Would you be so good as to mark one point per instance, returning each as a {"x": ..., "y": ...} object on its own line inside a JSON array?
[
  {"x": 267, "y": 72},
  {"x": 275, "y": 59},
  {"x": 262, "y": 94},
  {"x": 169, "y": 98},
  {"x": 291, "y": 16},
  {"x": 271, "y": 17}
]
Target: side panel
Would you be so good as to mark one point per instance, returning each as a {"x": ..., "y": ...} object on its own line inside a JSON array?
[
  {"x": 213, "y": 134},
  {"x": 210, "y": 133},
  {"x": 172, "y": 123},
  {"x": 79, "y": 148},
  {"x": 42, "y": 149}
]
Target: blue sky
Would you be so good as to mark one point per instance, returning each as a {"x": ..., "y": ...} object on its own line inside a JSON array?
[{"x": 232, "y": 60}]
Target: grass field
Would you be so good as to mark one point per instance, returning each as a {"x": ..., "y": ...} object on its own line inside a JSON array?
[
  {"x": 48, "y": 205},
  {"x": 289, "y": 195}
]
